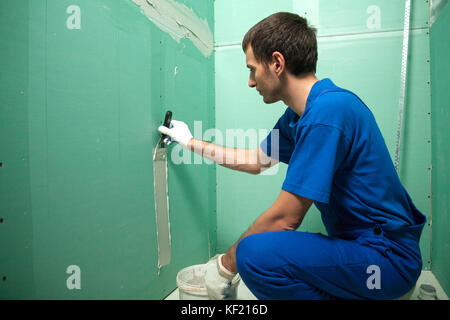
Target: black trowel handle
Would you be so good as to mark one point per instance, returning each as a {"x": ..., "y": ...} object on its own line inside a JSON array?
[{"x": 167, "y": 120}]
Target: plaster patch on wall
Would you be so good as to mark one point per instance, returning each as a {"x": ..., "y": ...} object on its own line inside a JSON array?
[
  {"x": 436, "y": 7},
  {"x": 179, "y": 22}
]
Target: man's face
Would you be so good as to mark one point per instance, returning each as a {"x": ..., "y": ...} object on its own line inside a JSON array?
[{"x": 262, "y": 78}]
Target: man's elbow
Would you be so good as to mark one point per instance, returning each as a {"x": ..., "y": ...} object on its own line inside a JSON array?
[
  {"x": 287, "y": 224},
  {"x": 254, "y": 170},
  {"x": 259, "y": 168},
  {"x": 288, "y": 211},
  {"x": 258, "y": 162}
]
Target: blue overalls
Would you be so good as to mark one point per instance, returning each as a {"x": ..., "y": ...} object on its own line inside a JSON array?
[{"x": 338, "y": 158}]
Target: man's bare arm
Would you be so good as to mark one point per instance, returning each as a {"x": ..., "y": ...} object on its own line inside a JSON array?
[{"x": 251, "y": 161}]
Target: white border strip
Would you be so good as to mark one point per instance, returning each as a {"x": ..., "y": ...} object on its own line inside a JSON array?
[{"x": 404, "y": 70}]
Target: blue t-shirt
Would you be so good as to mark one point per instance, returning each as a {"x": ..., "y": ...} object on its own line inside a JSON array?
[{"x": 337, "y": 157}]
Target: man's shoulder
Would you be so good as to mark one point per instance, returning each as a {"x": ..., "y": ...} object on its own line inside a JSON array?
[
  {"x": 338, "y": 96},
  {"x": 335, "y": 103},
  {"x": 339, "y": 109}
]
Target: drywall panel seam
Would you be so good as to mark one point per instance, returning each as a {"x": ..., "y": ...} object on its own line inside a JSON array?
[{"x": 346, "y": 36}]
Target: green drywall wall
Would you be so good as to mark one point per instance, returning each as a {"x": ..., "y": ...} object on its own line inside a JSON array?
[
  {"x": 354, "y": 55},
  {"x": 330, "y": 17},
  {"x": 80, "y": 111},
  {"x": 16, "y": 236},
  {"x": 440, "y": 118}
]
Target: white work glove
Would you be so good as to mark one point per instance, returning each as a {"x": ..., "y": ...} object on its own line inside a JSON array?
[
  {"x": 221, "y": 284},
  {"x": 178, "y": 132}
]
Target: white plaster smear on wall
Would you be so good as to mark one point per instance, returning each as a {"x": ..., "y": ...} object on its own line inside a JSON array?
[
  {"x": 179, "y": 22},
  {"x": 436, "y": 7}
]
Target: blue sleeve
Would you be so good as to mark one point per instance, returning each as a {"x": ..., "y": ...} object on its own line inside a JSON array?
[
  {"x": 279, "y": 144},
  {"x": 319, "y": 152}
]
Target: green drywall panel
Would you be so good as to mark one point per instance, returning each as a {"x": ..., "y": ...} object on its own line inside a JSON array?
[
  {"x": 16, "y": 274},
  {"x": 440, "y": 118},
  {"x": 365, "y": 62},
  {"x": 346, "y": 16},
  {"x": 235, "y": 17},
  {"x": 96, "y": 97},
  {"x": 330, "y": 17}
]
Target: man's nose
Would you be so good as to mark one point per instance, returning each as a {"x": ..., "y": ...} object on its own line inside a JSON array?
[{"x": 251, "y": 83}]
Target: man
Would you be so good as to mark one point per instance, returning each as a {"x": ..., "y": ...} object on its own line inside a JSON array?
[{"x": 338, "y": 160}]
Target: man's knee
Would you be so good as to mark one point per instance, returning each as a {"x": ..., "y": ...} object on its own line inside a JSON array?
[{"x": 248, "y": 251}]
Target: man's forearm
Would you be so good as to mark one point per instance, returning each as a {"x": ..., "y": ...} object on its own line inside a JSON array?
[{"x": 237, "y": 159}]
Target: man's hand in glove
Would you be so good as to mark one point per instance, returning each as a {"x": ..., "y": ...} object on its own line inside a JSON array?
[
  {"x": 221, "y": 283},
  {"x": 178, "y": 132}
]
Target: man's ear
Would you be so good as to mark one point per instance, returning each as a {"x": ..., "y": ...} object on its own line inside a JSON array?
[{"x": 278, "y": 62}]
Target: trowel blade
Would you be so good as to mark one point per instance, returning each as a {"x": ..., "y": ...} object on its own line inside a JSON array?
[{"x": 161, "y": 205}]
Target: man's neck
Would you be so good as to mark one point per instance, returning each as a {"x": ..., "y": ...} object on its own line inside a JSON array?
[{"x": 297, "y": 90}]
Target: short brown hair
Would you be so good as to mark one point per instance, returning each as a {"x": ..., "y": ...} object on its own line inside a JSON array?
[{"x": 288, "y": 34}]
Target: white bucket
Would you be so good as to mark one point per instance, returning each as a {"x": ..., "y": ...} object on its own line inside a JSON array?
[{"x": 191, "y": 283}]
